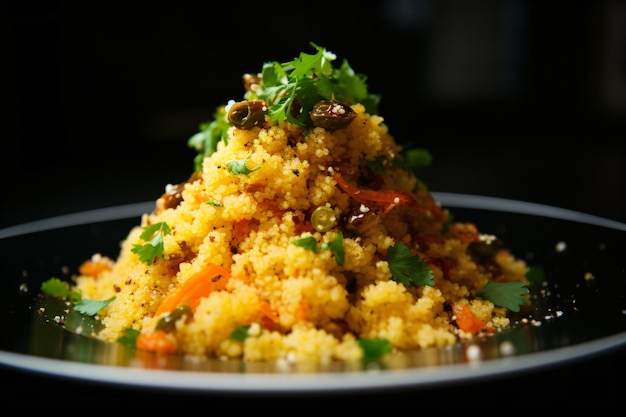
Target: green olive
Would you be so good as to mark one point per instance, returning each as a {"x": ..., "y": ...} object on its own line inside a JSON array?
[
  {"x": 323, "y": 218},
  {"x": 167, "y": 323}
]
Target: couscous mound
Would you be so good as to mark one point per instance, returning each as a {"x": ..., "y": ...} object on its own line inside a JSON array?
[{"x": 304, "y": 234}]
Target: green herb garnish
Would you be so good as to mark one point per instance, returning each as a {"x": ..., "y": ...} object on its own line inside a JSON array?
[
  {"x": 505, "y": 294},
  {"x": 240, "y": 168},
  {"x": 335, "y": 246},
  {"x": 91, "y": 307},
  {"x": 239, "y": 333},
  {"x": 407, "y": 269},
  {"x": 305, "y": 81},
  {"x": 291, "y": 89},
  {"x": 535, "y": 276},
  {"x": 374, "y": 349},
  {"x": 129, "y": 337},
  {"x": 209, "y": 135},
  {"x": 55, "y": 287},
  {"x": 414, "y": 159},
  {"x": 213, "y": 203},
  {"x": 153, "y": 234},
  {"x": 58, "y": 288}
]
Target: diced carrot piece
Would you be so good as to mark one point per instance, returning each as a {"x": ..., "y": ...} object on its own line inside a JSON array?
[
  {"x": 156, "y": 341},
  {"x": 269, "y": 311},
  {"x": 303, "y": 311},
  {"x": 95, "y": 266},
  {"x": 466, "y": 320}
]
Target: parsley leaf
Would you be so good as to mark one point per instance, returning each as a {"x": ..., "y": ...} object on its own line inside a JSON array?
[
  {"x": 307, "y": 79},
  {"x": 58, "y": 288},
  {"x": 240, "y": 333},
  {"x": 414, "y": 159},
  {"x": 213, "y": 203},
  {"x": 129, "y": 337},
  {"x": 153, "y": 234},
  {"x": 308, "y": 243},
  {"x": 374, "y": 349},
  {"x": 535, "y": 276},
  {"x": 335, "y": 246},
  {"x": 240, "y": 168},
  {"x": 505, "y": 294},
  {"x": 407, "y": 269},
  {"x": 91, "y": 307},
  {"x": 291, "y": 89},
  {"x": 206, "y": 139}
]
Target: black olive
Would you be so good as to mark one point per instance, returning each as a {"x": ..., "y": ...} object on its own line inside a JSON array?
[
  {"x": 332, "y": 114},
  {"x": 173, "y": 196},
  {"x": 247, "y": 114},
  {"x": 485, "y": 250},
  {"x": 361, "y": 219}
]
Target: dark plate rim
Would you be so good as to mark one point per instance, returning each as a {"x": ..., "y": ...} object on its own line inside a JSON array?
[{"x": 314, "y": 382}]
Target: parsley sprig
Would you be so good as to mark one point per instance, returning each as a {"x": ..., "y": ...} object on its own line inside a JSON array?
[
  {"x": 335, "y": 246},
  {"x": 305, "y": 81},
  {"x": 153, "y": 234},
  {"x": 406, "y": 268},
  {"x": 239, "y": 167},
  {"x": 291, "y": 89},
  {"x": 374, "y": 349},
  {"x": 509, "y": 295},
  {"x": 60, "y": 289}
]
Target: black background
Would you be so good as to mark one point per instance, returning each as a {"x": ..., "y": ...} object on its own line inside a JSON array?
[{"x": 515, "y": 99}]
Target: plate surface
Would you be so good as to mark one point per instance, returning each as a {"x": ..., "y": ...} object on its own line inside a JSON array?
[{"x": 579, "y": 313}]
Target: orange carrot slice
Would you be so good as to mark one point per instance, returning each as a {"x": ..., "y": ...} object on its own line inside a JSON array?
[
  {"x": 389, "y": 199},
  {"x": 197, "y": 286}
]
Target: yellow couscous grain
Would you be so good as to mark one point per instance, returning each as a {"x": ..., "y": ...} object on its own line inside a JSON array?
[{"x": 299, "y": 294}]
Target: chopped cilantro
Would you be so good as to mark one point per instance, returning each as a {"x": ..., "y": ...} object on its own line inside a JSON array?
[
  {"x": 374, "y": 349},
  {"x": 214, "y": 203},
  {"x": 210, "y": 134},
  {"x": 335, "y": 246},
  {"x": 58, "y": 288},
  {"x": 240, "y": 333},
  {"x": 153, "y": 234},
  {"x": 505, "y": 294},
  {"x": 129, "y": 337},
  {"x": 91, "y": 307},
  {"x": 414, "y": 159},
  {"x": 308, "y": 243},
  {"x": 535, "y": 276},
  {"x": 240, "y": 168},
  {"x": 306, "y": 80},
  {"x": 407, "y": 269},
  {"x": 291, "y": 89}
]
